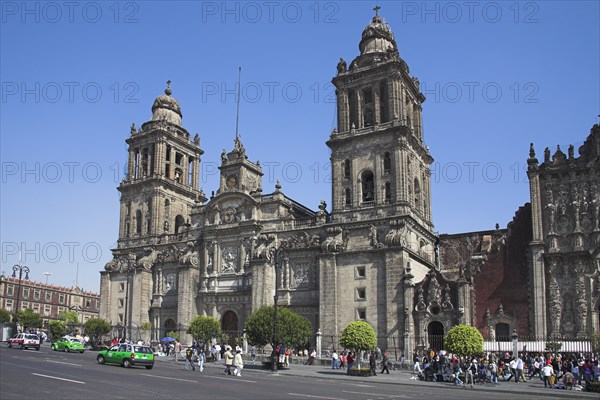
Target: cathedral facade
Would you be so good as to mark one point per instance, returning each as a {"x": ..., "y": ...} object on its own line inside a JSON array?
[{"x": 374, "y": 257}]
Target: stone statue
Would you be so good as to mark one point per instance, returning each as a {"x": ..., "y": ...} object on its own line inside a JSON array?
[
  {"x": 224, "y": 156},
  {"x": 196, "y": 140},
  {"x": 148, "y": 261},
  {"x": 571, "y": 152},
  {"x": 546, "y": 154},
  {"x": 132, "y": 129},
  {"x": 342, "y": 66}
]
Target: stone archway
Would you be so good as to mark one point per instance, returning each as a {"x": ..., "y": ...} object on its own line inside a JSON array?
[
  {"x": 168, "y": 326},
  {"x": 435, "y": 335}
]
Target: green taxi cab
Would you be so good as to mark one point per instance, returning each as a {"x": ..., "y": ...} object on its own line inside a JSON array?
[
  {"x": 127, "y": 355},
  {"x": 68, "y": 343}
]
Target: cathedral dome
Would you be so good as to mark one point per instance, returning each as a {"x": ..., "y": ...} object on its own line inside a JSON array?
[
  {"x": 377, "y": 37},
  {"x": 166, "y": 107}
]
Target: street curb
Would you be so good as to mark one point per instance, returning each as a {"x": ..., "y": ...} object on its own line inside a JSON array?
[{"x": 479, "y": 388}]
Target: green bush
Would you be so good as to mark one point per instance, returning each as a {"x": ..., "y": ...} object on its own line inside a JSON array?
[{"x": 464, "y": 340}]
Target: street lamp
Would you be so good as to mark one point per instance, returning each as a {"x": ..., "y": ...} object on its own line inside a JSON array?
[
  {"x": 21, "y": 269},
  {"x": 278, "y": 254}
]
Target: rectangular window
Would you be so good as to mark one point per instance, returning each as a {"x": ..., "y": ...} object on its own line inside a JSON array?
[
  {"x": 121, "y": 303},
  {"x": 61, "y": 298},
  {"x": 36, "y": 308},
  {"x": 121, "y": 287},
  {"x": 361, "y": 313},
  {"x": 361, "y": 272},
  {"x": 10, "y": 291},
  {"x": 121, "y": 318},
  {"x": 25, "y": 293},
  {"x": 88, "y": 303},
  {"x": 47, "y": 310},
  {"x": 361, "y": 294},
  {"x": 36, "y": 294},
  {"x": 24, "y": 305},
  {"x": 97, "y": 304},
  {"x": 60, "y": 309},
  {"x": 48, "y": 296},
  {"x": 8, "y": 305}
]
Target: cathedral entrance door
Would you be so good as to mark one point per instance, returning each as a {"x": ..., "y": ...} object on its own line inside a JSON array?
[
  {"x": 229, "y": 325},
  {"x": 435, "y": 335},
  {"x": 170, "y": 326}
]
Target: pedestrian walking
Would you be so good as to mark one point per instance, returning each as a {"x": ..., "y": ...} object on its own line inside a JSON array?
[
  {"x": 334, "y": 360},
  {"x": 201, "y": 360},
  {"x": 548, "y": 371},
  {"x": 385, "y": 363},
  {"x": 189, "y": 359},
  {"x": 228, "y": 356},
  {"x": 238, "y": 362},
  {"x": 373, "y": 363}
]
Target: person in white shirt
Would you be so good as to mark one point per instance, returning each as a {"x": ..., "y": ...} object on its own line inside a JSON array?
[
  {"x": 334, "y": 360},
  {"x": 513, "y": 370},
  {"x": 547, "y": 371}
]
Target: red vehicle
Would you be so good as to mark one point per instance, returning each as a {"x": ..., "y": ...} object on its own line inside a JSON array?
[{"x": 25, "y": 341}]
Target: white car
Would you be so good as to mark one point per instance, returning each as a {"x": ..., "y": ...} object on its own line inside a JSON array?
[{"x": 25, "y": 341}]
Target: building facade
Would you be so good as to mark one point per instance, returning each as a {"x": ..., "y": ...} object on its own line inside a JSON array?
[
  {"x": 564, "y": 259},
  {"x": 48, "y": 300},
  {"x": 374, "y": 257}
]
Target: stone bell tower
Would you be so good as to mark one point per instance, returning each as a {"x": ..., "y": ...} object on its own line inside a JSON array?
[
  {"x": 162, "y": 174},
  {"x": 379, "y": 161}
]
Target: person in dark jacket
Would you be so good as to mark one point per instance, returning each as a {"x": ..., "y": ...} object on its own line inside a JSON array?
[
  {"x": 373, "y": 363},
  {"x": 385, "y": 363}
]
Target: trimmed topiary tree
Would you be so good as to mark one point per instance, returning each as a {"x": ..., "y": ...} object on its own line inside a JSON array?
[
  {"x": 57, "y": 329},
  {"x": 357, "y": 336},
  {"x": 204, "y": 329},
  {"x": 95, "y": 328},
  {"x": 293, "y": 329},
  {"x": 464, "y": 340}
]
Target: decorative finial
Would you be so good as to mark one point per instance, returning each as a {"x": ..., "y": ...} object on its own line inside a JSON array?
[
  {"x": 277, "y": 186},
  {"x": 168, "y": 90},
  {"x": 531, "y": 151},
  {"x": 377, "y": 18}
]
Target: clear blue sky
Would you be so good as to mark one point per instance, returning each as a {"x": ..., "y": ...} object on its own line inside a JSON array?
[{"x": 497, "y": 76}]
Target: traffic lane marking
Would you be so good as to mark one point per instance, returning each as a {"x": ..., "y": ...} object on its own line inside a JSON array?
[
  {"x": 376, "y": 394},
  {"x": 173, "y": 379},
  {"x": 56, "y": 377},
  {"x": 62, "y": 362},
  {"x": 314, "y": 397}
]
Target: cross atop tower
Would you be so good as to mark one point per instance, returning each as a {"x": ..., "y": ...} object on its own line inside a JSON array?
[
  {"x": 377, "y": 18},
  {"x": 168, "y": 90}
]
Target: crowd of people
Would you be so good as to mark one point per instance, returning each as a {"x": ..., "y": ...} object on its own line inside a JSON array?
[{"x": 563, "y": 371}]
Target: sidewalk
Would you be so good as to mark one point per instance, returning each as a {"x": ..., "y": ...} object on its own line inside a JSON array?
[{"x": 403, "y": 377}]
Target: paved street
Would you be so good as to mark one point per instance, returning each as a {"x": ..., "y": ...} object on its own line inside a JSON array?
[{"x": 27, "y": 374}]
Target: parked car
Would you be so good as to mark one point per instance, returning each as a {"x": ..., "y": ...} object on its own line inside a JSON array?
[
  {"x": 68, "y": 343},
  {"x": 25, "y": 341},
  {"x": 127, "y": 355}
]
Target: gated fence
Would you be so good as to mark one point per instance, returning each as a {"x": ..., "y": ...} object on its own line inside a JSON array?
[{"x": 395, "y": 345}]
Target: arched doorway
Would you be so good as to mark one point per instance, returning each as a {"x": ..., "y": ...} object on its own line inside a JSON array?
[
  {"x": 169, "y": 326},
  {"x": 435, "y": 335},
  {"x": 229, "y": 325}
]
